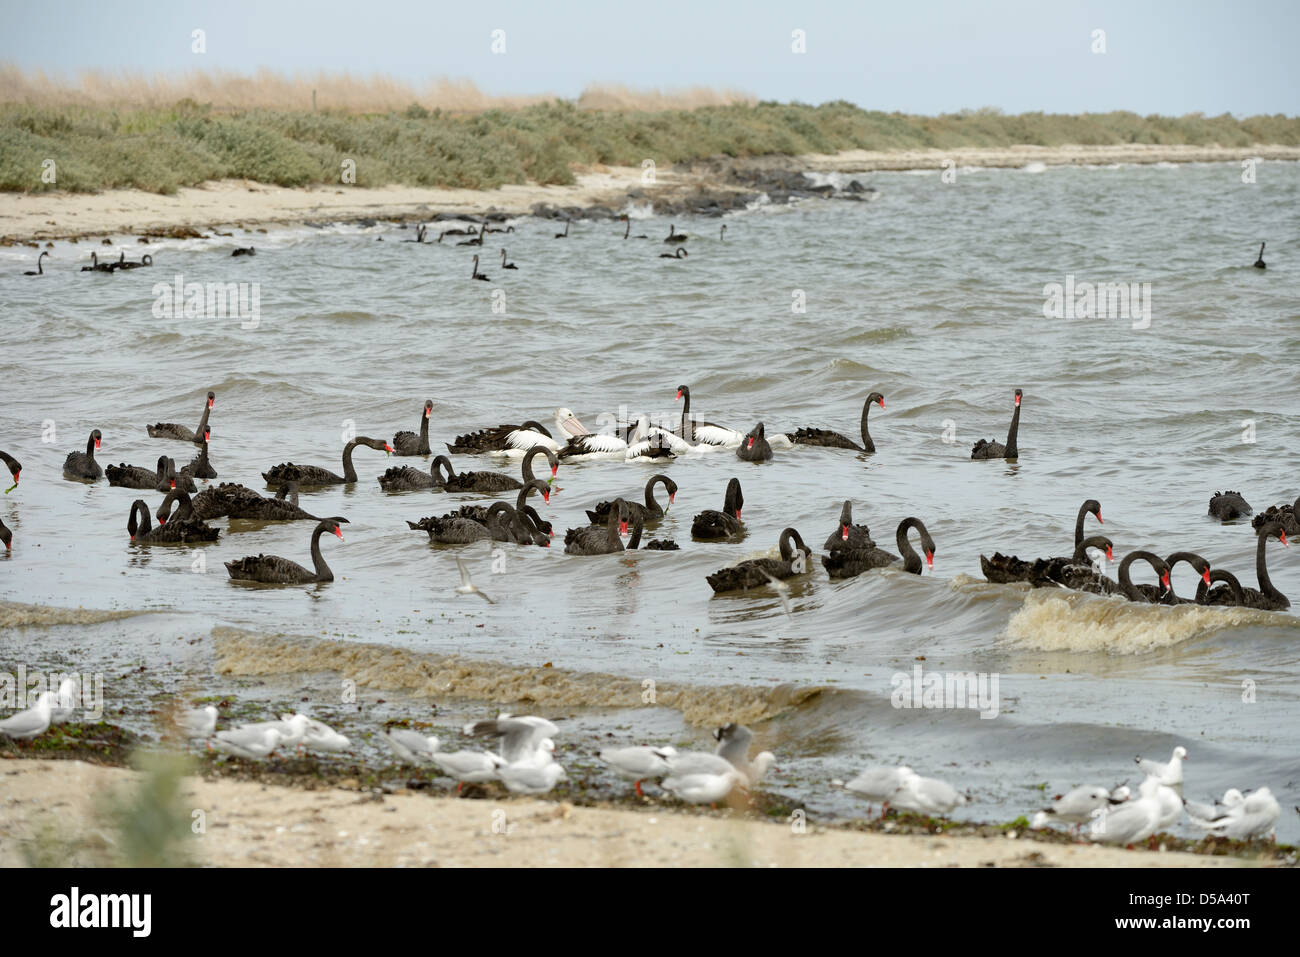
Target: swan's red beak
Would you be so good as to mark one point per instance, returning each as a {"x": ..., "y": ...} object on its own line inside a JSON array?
[
  {"x": 1017, "y": 400},
  {"x": 173, "y": 481},
  {"x": 672, "y": 497},
  {"x": 1110, "y": 554},
  {"x": 387, "y": 448},
  {"x": 1205, "y": 576},
  {"x": 162, "y": 520},
  {"x": 338, "y": 531},
  {"x": 679, "y": 395},
  {"x": 929, "y": 560},
  {"x": 555, "y": 469},
  {"x": 16, "y": 474},
  {"x": 207, "y": 435},
  {"x": 751, "y": 443},
  {"x": 428, "y": 412},
  {"x": 1099, "y": 520},
  {"x": 844, "y": 532},
  {"x": 882, "y": 401},
  {"x": 1164, "y": 580},
  {"x": 209, "y": 403},
  {"x": 96, "y": 443},
  {"x": 1281, "y": 535},
  {"x": 622, "y": 527},
  {"x": 738, "y": 518},
  {"x": 546, "y": 497}
]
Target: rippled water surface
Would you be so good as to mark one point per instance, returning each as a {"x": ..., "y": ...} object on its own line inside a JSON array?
[{"x": 933, "y": 295}]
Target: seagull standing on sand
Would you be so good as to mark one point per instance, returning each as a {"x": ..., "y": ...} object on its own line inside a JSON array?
[
  {"x": 197, "y": 722},
  {"x": 28, "y": 724},
  {"x": 926, "y": 795},
  {"x": 1253, "y": 818},
  {"x": 1171, "y": 774},
  {"x": 1074, "y": 807},
  {"x": 1131, "y": 821},
  {"x": 879, "y": 784},
  {"x": 530, "y": 778},
  {"x": 467, "y": 767},
  {"x": 639, "y": 762},
  {"x": 252, "y": 743},
  {"x": 466, "y": 586},
  {"x": 703, "y": 788},
  {"x": 321, "y": 737}
]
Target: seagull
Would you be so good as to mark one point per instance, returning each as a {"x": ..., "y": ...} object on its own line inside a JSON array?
[
  {"x": 1206, "y": 816},
  {"x": 250, "y": 743},
  {"x": 28, "y": 724},
  {"x": 66, "y": 702},
  {"x": 703, "y": 788},
  {"x": 1254, "y": 817},
  {"x": 1074, "y": 807},
  {"x": 1131, "y": 821},
  {"x": 1171, "y": 774},
  {"x": 467, "y": 767},
  {"x": 467, "y": 587},
  {"x": 321, "y": 737},
  {"x": 522, "y": 739},
  {"x": 411, "y": 746},
  {"x": 688, "y": 763},
  {"x": 639, "y": 762},
  {"x": 198, "y": 722},
  {"x": 926, "y": 795},
  {"x": 879, "y": 784},
  {"x": 1171, "y": 807},
  {"x": 531, "y": 778},
  {"x": 733, "y": 744}
]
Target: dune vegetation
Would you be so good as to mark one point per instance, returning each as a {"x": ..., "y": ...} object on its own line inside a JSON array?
[{"x": 160, "y": 149}]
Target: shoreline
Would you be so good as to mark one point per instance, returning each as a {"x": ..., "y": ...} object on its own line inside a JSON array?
[
  {"x": 247, "y": 823},
  {"x": 708, "y": 187}
]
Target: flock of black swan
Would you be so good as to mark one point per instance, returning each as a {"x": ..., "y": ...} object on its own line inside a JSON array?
[{"x": 849, "y": 550}]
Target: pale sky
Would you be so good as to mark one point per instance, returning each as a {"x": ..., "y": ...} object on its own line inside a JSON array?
[{"x": 924, "y": 56}]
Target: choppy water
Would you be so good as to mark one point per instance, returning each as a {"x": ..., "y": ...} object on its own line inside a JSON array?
[{"x": 933, "y": 295}]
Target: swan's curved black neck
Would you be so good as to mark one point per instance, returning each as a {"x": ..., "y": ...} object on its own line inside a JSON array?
[
  {"x": 1012, "y": 451},
  {"x": 323, "y": 572},
  {"x": 911, "y": 560}
]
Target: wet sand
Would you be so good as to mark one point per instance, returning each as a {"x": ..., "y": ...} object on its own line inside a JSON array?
[
  {"x": 268, "y": 826},
  {"x": 242, "y": 202}
]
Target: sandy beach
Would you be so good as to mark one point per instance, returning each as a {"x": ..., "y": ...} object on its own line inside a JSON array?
[
  {"x": 246, "y": 823},
  {"x": 58, "y": 215}
]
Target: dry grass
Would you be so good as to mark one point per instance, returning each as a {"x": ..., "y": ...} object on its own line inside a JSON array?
[{"x": 334, "y": 92}]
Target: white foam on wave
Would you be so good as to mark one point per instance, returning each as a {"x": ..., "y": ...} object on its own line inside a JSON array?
[{"x": 1052, "y": 620}]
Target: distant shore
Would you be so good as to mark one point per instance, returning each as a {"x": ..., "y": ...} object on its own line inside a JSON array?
[
  {"x": 53, "y": 804},
  {"x": 722, "y": 183}
]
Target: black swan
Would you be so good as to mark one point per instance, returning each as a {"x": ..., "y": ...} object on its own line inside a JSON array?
[
  {"x": 82, "y": 465},
  {"x": 15, "y": 468},
  {"x": 273, "y": 570},
  {"x": 505, "y": 437},
  {"x": 419, "y": 235},
  {"x": 833, "y": 440},
  {"x": 219, "y": 500},
  {"x": 181, "y": 530},
  {"x": 1259, "y": 262},
  {"x": 847, "y": 563},
  {"x": 1196, "y": 561},
  {"x": 170, "y": 430},
  {"x": 282, "y": 508},
  {"x": 984, "y": 449},
  {"x": 1231, "y": 592},
  {"x": 504, "y": 264},
  {"x": 750, "y": 574},
  {"x": 457, "y": 530},
  {"x": 654, "y": 544},
  {"x": 312, "y": 475},
  {"x": 409, "y": 443},
  {"x": 674, "y": 236},
  {"x": 1150, "y": 594},
  {"x": 594, "y": 540},
  {"x": 200, "y": 467},
  {"x": 97, "y": 266},
  {"x": 124, "y": 263},
  {"x": 1076, "y": 572},
  {"x": 492, "y": 481},
  {"x": 847, "y": 535},
  {"x": 1003, "y": 569},
  {"x": 1226, "y": 506},
  {"x": 479, "y": 513},
  {"x": 244, "y": 251},
  {"x": 628, "y": 219},
  {"x": 713, "y": 525},
  {"x": 650, "y": 511},
  {"x": 563, "y": 235},
  {"x": 6, "y": 536},
  {"x": 38, "y": 271},
  {"x": 475, "y": 274},
  {"x": 476, "y": 241},
  {"x": 1266, "y": 596},
  {"x": 679, "y": 253},
  {"x": 136, "y": 476},
  {"x": 1288, "y": 516},
  {"x": 754, "y": 446}
]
